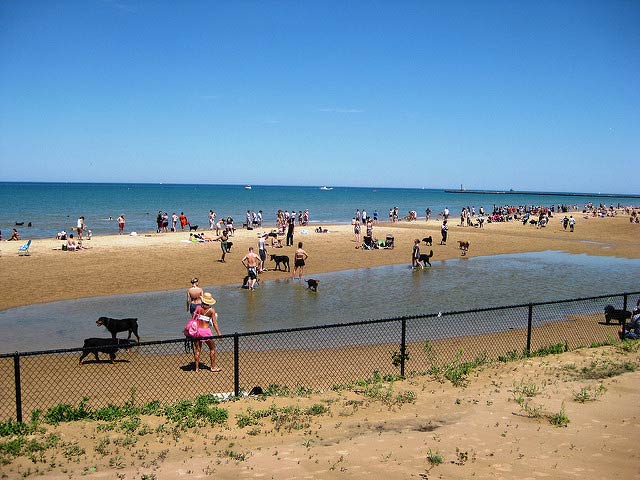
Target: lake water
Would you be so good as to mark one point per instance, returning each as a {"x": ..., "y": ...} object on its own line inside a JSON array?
[
  {"x": 52, "y": 207},
  {"x": 354, "y": 295}
]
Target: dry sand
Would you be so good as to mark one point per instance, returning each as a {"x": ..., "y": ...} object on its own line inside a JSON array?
[{"x": 479, "y": 430}]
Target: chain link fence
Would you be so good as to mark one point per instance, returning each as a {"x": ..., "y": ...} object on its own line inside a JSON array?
[{"x": 301, "y": 359}]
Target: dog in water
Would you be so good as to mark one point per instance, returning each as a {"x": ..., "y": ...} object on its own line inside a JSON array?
[
  {"x": 428, "y": 240},
  {"x": 245, "y": 282},
  {"x": 464, "y": 246},
  {"x": 115, "y": 325},
  {"x": 105, "y": 345},
  {"x": 193, "y": 228},
  {"x": 612, "y": 313},
  {"x": 424, "y": 258},
  {"x": 312, "y": 284},
  {"x": 281, "y": 259}
]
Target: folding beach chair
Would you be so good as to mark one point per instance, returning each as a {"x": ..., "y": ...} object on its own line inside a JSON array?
[
  {"x": 389, "y": 241},
  {"x": 24, "y": 249}
]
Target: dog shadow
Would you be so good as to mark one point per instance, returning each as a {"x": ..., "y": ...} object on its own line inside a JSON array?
[{"x": 89, "y": 362}]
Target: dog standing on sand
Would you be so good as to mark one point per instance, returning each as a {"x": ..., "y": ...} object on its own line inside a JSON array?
[
  {"x": 428, "y": 240},
  {"x": 612, "y": 313},
  {"x": 464, "y": 246},
  {"x": 281, "y": 259}
]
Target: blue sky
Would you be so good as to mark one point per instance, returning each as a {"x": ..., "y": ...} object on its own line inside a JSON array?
[{"x": 538, "y": 95}]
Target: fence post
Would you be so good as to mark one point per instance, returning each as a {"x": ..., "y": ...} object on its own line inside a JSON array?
[
  {"x": 16, "y": 373},
  {"x": 529, "y": 324},
  {"x": 403, "y": 345},
  {"x": 624, "y": 306},
  {"x": 236, "y": 364}
]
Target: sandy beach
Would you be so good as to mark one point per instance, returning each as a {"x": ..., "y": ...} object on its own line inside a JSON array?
[
  {"x": 477, "y": 430},
  {"x": 149, "y": 262}
]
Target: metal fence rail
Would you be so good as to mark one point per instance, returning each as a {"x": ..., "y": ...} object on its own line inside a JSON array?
[{"x": 310, "y": 357}]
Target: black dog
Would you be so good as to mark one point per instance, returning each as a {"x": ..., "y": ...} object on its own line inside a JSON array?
[
  {"x": 312, "y": 284},
  {"x": 424, "y": 258},
  {"x": 284, "y": 259},
  {"x": 428, "y": 240},
  {"x": 115, "y": 325},
  {"x": 533, "y": 222},
  {"x": 193, "y": 228},
  {"x": 245, "y": 282},
  {"x": 612, "y": 313},
  {"x": 104, "y": 345},
  {"x": 229, "y": 245}
]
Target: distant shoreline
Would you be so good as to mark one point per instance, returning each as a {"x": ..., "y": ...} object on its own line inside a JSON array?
[{"x": 551, "y": 194}]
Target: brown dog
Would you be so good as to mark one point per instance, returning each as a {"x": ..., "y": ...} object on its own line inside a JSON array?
[{"x": 464, "y": 246}]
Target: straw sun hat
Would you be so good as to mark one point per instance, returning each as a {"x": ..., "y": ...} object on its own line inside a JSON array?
[{"x": 208, "y": 299}]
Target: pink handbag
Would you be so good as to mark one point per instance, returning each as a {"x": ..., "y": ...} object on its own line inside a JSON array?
[{"x": 191, "y": 327}]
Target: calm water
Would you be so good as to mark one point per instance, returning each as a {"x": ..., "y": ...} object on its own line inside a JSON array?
[
  {"x": 354, "y": 295},
  {"x": 51, "y": 207}
]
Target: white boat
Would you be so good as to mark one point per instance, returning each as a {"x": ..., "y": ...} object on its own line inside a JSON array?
[
  {"x": 248, "y": 187},
  {"x": 326, "y": 188}
]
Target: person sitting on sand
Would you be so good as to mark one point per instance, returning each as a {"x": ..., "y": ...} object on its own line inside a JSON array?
[
  {"x": 62, "y": 235},
  {"x": 632, "y": 329},
  {"x": 14, "y": 235},
  {"x": 71, "y": 243}
]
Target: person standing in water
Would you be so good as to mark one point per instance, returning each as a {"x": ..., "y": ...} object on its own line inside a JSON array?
[
  {"x": 194, "y": 295},
  {"x": 299, "y": 261}
]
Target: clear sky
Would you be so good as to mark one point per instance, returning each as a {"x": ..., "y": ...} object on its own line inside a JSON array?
[{"x": 529, "y": 95}]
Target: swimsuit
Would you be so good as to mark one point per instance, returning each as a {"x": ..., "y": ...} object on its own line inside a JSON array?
[
  {"x": 253, "y": 272},
  {"x": 204, "y": 331}
]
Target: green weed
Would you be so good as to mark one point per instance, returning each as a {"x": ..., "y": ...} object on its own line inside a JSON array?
[
  {"x": 554, "y": 349},
  {"x": 397, "y": 358},
  {"x": 237, "y": 456},
  {"x": 527, "y": 389},
  {"x": 587, "y": 394},
  {"x": 456, "y": 371},
  {"x": 434, "y": 458},
  {"x": 629, "y": 346},
  {"x": 559, "y": 419},
  {"x": 611, "y": 340},
  {"x": 101, "y": 446},
  {"x": 598, "y": 369}
]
